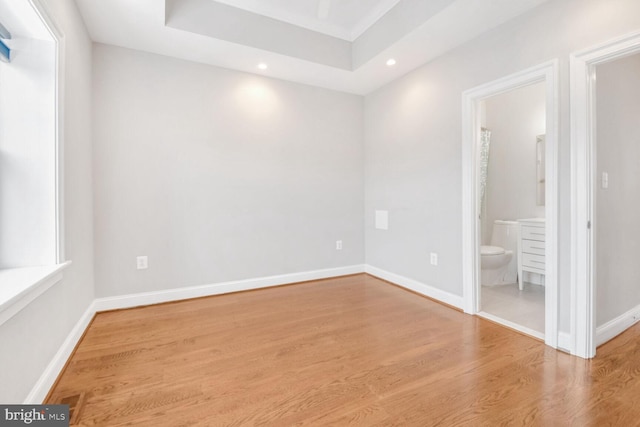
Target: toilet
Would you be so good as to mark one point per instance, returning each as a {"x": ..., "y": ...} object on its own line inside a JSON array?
[{"x": 498, "y": 264}]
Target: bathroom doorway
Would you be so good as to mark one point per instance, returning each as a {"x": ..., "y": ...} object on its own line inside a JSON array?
[
  {"x": 510, "y": 202},
  {"x": 512, "y": 190}
]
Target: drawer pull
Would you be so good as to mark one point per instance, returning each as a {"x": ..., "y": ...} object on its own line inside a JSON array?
[{"x": 532, "y": 233}]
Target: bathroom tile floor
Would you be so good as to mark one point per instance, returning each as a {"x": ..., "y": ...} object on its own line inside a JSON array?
[{"x": 524, "y": 307}]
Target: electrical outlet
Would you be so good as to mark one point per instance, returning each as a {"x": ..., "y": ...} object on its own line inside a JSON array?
[
  {"x": 338, "y": 245},
  {"x": 142, "y": 262},
  {"x": 434, "y": 258}
]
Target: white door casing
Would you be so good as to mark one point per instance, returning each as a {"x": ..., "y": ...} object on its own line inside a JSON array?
[
  {"x": 583, "y": 171},
  {"x": 547, "y": 73}
]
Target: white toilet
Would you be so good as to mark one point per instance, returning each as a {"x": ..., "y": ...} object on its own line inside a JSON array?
[{"x": 498, "y": 262}]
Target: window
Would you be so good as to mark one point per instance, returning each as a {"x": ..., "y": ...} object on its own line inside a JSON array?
[
  {"x": 30, "y": 258},
  {"x": 4, "y": 49}
]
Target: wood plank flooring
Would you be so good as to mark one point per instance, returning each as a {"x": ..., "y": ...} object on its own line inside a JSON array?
[{"x": 347, "y": 351}]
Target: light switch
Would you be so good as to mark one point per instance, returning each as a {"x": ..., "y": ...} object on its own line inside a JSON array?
[
  {"x": 605, "y": 180},
  {"x": 434, "y": 258}
]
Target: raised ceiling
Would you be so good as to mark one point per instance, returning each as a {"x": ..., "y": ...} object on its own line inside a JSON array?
[
  {"x": 336, "y": 44},
  {"x": 344, "y": 19}
]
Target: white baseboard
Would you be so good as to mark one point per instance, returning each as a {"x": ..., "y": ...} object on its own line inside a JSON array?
[
  {"x": 156, "y": 297},
  {"x": 47, "y": 379},
  {"x": 564, "y": 342},
  {"x": 414, "y": 285},
  {"x": 616, "y": 326}
]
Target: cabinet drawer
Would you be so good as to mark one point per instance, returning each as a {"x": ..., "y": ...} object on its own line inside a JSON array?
[
  {"x": 535, "y": 247},
  {"x": 531, "y": 260},
  {"x": 532, "y": 233}
]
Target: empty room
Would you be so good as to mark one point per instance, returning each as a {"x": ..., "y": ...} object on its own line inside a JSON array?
[{"x": 319, "y": 212}]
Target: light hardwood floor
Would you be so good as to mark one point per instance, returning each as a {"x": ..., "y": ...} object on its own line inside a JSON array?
[{"x": 347, "y": 351}]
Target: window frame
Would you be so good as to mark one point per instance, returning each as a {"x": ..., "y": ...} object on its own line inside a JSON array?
[{"x": 23, "y": 285}]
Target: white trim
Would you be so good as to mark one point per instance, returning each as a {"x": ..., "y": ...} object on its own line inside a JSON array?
[
  {"x": 510, "y": 324},
  {"x": 176, "y": 294},
  {"x": 548, "y": 73},
  {"x": 40, "y": 390},
  {"x": 616, "y": 326},
  {"x": 59, "y": 40},
  {"x": 416, "y": 286},
  {"x": 583, "y": 158},
  {"x": 552, "y": 204},
  {"x": 23, "y": 285},
  {"x": 470, "y": 204},
  {"x": 564, "y": 341},
  {"x": 368, "y": 20}
]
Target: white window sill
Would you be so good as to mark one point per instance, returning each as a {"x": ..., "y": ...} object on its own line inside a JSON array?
[{"x": 20, "y": 286}]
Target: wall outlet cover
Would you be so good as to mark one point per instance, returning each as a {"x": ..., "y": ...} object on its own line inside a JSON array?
[{"x": 142, "y": 262}]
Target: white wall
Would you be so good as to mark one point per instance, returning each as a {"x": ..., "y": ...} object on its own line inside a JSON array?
[
  {"x": 617, "y": 207},
  {"x": 32, "y": 337},
  {"x": 413, "y": 137},
  {"x": 217, "y": 175},
  {"x": 515, "y": 118}
]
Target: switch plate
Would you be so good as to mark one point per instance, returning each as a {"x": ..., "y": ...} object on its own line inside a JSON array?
[
  {"x": 434, "y": 258},
  {"x": 142, "y": 262},
  {"x": 338, "y": 245},
  {"x": 605, "y": 180}
]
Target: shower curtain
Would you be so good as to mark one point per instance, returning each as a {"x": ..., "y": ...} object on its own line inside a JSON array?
[{"x": 485, "y": 142}]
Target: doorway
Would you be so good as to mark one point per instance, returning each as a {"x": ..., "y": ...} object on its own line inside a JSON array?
[
  {"x": 512, "y": 197},
  {"x": 475, "y": 103},
  {"x": 603, "y": 304}
]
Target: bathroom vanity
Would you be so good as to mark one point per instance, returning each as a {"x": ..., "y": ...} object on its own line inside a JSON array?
[{"x": 531, "y": 246}]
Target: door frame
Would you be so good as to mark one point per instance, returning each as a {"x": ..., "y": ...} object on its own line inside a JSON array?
[
  {"x": 548, "y": 73},
  {"x": 583, "y": 184}
]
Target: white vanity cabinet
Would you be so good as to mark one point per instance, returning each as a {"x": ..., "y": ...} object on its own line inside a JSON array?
[{"x": 531, "y": 246}]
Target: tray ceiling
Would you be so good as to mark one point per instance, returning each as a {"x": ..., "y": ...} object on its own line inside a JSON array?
[{"x": 337, "y": 44}]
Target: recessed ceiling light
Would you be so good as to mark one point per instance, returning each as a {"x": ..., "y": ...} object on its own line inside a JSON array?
[
  {"x": 391, "y": 62},
  {"x": 262, "y": 66}
]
